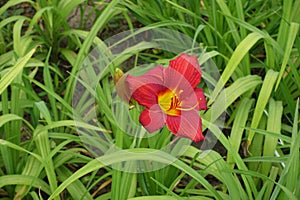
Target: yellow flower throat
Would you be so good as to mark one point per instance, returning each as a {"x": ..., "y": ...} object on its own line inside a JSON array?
[{"x": 169, "y": 102}]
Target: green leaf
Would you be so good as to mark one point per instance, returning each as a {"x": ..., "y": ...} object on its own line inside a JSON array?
[
  {"x": 24, "y": 180},
  {"x": 238, "y": 127},
  {"x": 12, "y": 117},
  {"x": 215, "y": 165},
  {"x": 43, "y": 147},
  {"x": 8, "y": 117},
  {"x": 290, "y": 174},
  {"x": 135, "y": 154},
  {"x": 99, "y": 23},
  {"x": 77, "y": 189},
  {"x": 248, "y": 181},
  {"x": 44, "y": 111},
  {"x": 32, "y": 168},
  {"x": 11, "y": 3},
  {"x": 225, "y": 9},
  {"x": 274, "y": 125},
  {"x": 262, "y": 101},
  {"x": 230, "y": 94},
  {"x": 37, "y": 17},
  {"x": 18, "y": 148},
  {"x": 162, "y": 197},
  {"x": 289, "y": 194},
  {"x": 14, "y": 71},
  {"x": 240, "y": 51},
  {"x": 293, "y": 31}
]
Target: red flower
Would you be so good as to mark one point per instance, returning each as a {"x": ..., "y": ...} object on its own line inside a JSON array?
[{"x": 170, "y": 97}]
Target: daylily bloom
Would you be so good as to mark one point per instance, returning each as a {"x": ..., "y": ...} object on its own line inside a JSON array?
[{"x": 170, "y": 96}]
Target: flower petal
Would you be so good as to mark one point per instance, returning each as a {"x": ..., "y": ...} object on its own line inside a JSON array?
[
  {"x": 201, "y": 99},
  {"x": 189, "y": 67},
  {"x": 178, "y": 83},
  {"x": 145, "y": 88},
  {"x": 195, "y": 100},
  {"x": 152, "y": 119},
  {"x": 187, "y": 125},
  {"x": 146, "y": 95},
  {"x": 154, "y": 76}
]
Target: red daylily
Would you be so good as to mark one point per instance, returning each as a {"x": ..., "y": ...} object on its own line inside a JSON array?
[{"x": 170, "y": 97}]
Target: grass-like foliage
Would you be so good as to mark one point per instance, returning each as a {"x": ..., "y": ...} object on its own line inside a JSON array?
[{"x": 60, "y": 115}]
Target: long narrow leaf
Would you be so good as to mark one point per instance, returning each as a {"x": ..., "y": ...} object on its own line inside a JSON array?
[
  {"x": 15, "y": 70},
  {"x": 290, "y": 174},
  {"x": 238, "y": 127},
  {"x": 293, "y": 31},
  {"x": 241, "y": 50},
  {"x": 99, "y": 23},
  {"x": 134, "y": 154},
  {"x": 230, "y": 94},
  {"x": 24, "y": 180},
  {"x": 262, "y": 101},
  {"x": 43, "y": 146},
  {"x": 274, "y": 125}
]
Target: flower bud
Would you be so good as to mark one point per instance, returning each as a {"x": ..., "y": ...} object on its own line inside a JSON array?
[
  {"x": 122, "y": 87},
  {"x": 118, "y": 74}
]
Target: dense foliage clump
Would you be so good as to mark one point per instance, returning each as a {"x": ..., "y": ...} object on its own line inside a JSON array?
[{"x": 65, "y": 133}]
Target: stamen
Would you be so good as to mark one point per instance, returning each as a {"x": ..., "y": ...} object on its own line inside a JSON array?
[
  {"x": 169, "y": 102},
  {"x": 191, "y": 108},
  {"x": 171, "y": 106},
  {"x": 174, "y": 103}
]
